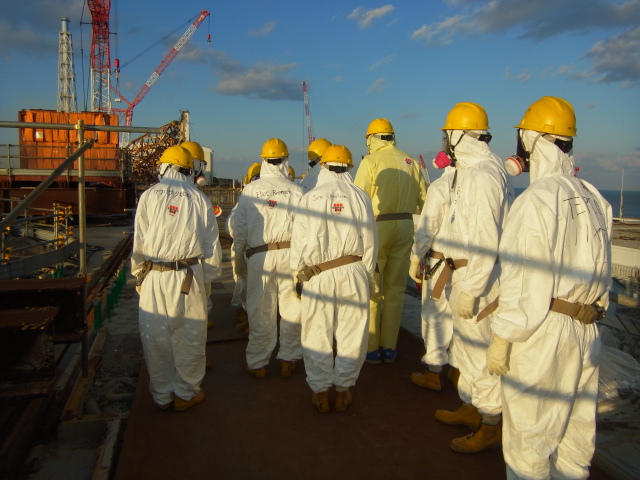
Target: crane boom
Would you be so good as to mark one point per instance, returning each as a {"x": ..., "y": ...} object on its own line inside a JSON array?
[
  {"x": 100, "y": 55},
  {"x": 128, "y": 112}
]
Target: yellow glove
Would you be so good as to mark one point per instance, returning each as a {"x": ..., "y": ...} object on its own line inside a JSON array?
[
  {"x": 374, "y": 283},
  {"x": 414, "y": 269},
  {"x": 138, "y": 289},
  {"x": 240, "y": 264},
  {"x": 498, "y": 356},
  {"x": 466, "y": 305}
]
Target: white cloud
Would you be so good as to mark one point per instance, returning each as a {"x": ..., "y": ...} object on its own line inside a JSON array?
[
  {"x": 617, "y": 59},
  {"x": 524, "y": 76},
  {"x": 264, "y": 80},
  {"x": 442, "y": 33},
  {"x": 377, "y": 86},
  {"x": 365, "y": 17},
  {"x": 264, "y": 30},
  {"x": 381, "y": 62}
]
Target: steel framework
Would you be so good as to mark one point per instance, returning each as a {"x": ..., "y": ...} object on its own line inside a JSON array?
[
  {"x": 100, "y": 56},
  {"x": 66, "y": 71}
]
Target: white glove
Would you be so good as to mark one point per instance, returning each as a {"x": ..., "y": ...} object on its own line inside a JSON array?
[
  {"x": 466, "y": 305},
  {"x": 240, "y": 264},
  {"x": 414, "y": 269},
  {"x": 138, "y": 289},
  {"x": 498, "y": 356},
  {"x": 374, "y": 283}
]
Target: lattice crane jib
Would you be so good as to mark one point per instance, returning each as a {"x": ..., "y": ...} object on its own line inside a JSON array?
[{"x": 100, "y": 56}]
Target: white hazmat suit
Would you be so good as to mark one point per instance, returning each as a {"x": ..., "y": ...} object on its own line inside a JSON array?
[
  {"x": 556, "y": 244},
  {"x": 310, "y": 180},
  {"x": 471, "y": 231},
  {"x": 264, "y": 215},
  {"x": 335, "y": 220},
  {"x": 437, "y": 319},
  {"x": 175, "y": 221}
]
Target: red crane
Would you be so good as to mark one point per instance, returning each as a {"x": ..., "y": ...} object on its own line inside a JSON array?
[
  {"x": 306, "y": 112},
  {"x": 128, "y": 112},
  {"x": 100, "y": 55}
]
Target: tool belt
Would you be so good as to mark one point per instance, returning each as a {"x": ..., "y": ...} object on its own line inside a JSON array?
[
  {"x": 306, "y": 273},
  {"x": 449, "y": 266},
  {"x": 581, "y": 312},
  {"x": 269, "y": 246},
  {"x": 174, "y": 266},
  {"x": 393, "y": 216}
]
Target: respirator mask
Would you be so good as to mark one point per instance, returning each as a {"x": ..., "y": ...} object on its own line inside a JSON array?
[
  {"x": 199, "y": 179},
  {"x": 518, "y": 163},
  {"x": 445, "y": 157}
]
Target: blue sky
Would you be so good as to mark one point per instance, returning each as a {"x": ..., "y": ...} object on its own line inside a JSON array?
[{"x": 407, "y": 61}]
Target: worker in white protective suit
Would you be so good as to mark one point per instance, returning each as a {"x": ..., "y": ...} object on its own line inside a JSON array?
[
  {"x": 199, "y": 164},
  {"x": 314, "y": 152},
  {"x": 393, "y": 180},
  {"x": 556, "y": 274},
  {"x": 436, "y": 316},
  {"x": 470, "y": 237},
  {"x": 176, "y": 253},
  {"x": 239, "y": 296},
  {"x": 334, "y": 248},
  {"x": 261, "y": 226}
]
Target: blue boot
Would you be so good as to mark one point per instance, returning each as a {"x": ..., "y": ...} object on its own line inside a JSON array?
[
  {"x": 374, "y": 357},
  {"x": 389, "y": 355}
]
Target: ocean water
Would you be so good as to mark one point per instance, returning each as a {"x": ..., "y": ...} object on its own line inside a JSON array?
[{"x": 631, "y": 202}]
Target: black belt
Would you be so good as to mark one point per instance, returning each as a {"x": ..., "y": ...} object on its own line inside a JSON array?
[
  {"x": 393, "y": 216},
  {"x": 178, "y": 265}
]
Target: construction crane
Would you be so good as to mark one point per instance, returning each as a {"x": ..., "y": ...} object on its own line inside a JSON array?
[
  {"x": 307, "y": 116},
  {"x": 100, "y": 56},
  {"x": 128, "y": 112}
]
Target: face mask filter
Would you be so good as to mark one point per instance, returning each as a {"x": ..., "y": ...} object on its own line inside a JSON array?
[
  {"x": 442, "y": 160},
  {"x": 518, "y": 163}
]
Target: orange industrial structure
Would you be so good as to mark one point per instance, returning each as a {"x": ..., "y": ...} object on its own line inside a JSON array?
[{"x": 110, "y": 188}]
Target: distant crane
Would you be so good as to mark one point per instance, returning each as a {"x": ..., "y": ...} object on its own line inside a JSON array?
[
  {"x": 307, "y": 116},
  {"x": 67, "y": 101},
  {"x": 128, "y": 112},
  {"x": 100, "y": 56}
]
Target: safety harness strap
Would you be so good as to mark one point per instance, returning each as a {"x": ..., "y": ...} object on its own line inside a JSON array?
[
  {"x": 449, "y": 266},
  {"x": 581, "y": 312},
  {"x": 306, "y": 273},
  {"x": 267, "y": 247},
  {"x": 393, "y": 216},
  {"x": 488, "y": 310},
  {"x": 178, "y": 265}
]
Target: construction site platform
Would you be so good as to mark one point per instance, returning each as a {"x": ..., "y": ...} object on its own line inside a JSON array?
[{"x": 252, "y": 428}]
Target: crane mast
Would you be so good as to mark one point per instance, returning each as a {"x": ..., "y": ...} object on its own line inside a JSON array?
[
  {"x": 100, "y": 56},
  {"x": 307, "y": 116}
]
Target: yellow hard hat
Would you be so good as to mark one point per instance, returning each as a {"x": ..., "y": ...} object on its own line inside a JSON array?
[
  {"x": 466, "y": 116},
  {"x": 274, "y": 148},
  {"x": 196, "y": 150},
  {"x": 379, "y": 125},
  {"x": 252, "y": 172},
  {"x": 550, "y": 115},
  {"x": 317, "y": 148},
  {"x": 337, "y": 154},
  {"x": 292, "y": 173},
  {"x": 177, "y": 155}
]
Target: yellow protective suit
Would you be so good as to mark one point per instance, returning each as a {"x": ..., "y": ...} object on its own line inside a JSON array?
[{"x": 393, "y": 180}]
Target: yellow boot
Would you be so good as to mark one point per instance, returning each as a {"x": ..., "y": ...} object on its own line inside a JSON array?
[
  {"x": 343, "y": 400},
  {"x": 467, "y": 415},
  {"x": 180, "y": 404},
  {"x": 428, "y": 379},
  {"x": 321, "y": 401},
  {"x": 258, "y": 372},
  {"x": 486, "y": 436},
  {"x": 287, "y": 367}
]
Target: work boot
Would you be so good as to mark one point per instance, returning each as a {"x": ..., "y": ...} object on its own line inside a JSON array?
[
  {"x": 389, "y": 355},
  {"x": 258, "y": 372},
  {"x": 486, "y": 436},
  {"x": 375, "y": 357},
  {"x": 467, "y": 415},
  {"x": 180, "y": 404},
  {"x": 287, "y": 367},
  {"x": 321, "y": 401},
  {"x": 241, "y": 315},
  {"x": 343, "y": 400},
  {"x": 428, "y": 379},
  {"x": 454, "y": 376}
]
